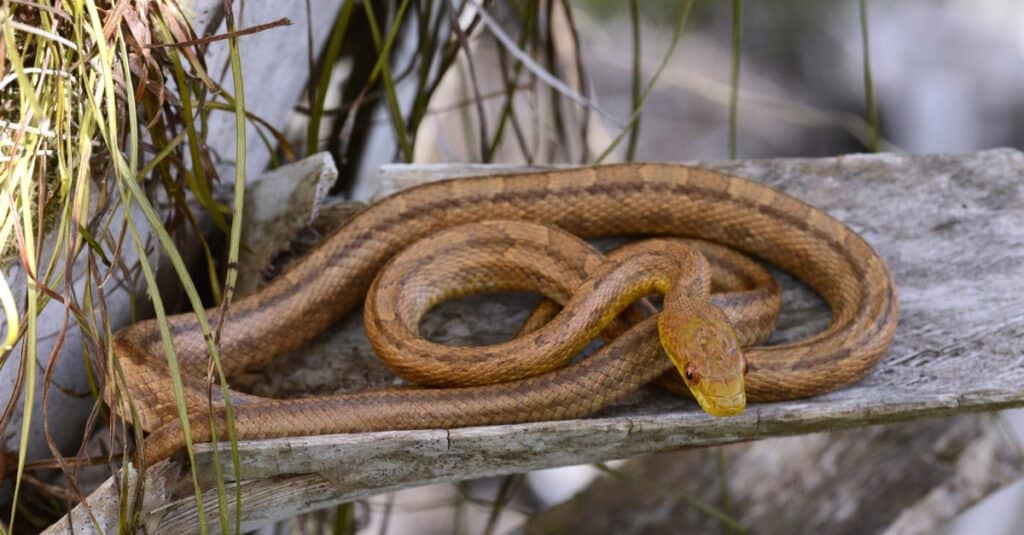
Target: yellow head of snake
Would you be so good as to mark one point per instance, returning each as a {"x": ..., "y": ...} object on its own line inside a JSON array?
[{"x": 707, "y": 354}]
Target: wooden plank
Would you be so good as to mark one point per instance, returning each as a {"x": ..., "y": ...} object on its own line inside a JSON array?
[{"x": 952, "y": 229}]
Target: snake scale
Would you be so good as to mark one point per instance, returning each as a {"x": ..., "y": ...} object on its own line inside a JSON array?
[{"x": 614, "y": 200}]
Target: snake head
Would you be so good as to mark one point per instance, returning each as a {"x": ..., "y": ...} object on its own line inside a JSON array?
[{"x": 706, "y": 352}]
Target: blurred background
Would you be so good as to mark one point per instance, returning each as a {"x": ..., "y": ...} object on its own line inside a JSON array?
[{"x": 943, "y": 71}]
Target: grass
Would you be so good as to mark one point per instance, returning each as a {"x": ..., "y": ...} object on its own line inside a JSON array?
[{"x": 92, "y": 138}]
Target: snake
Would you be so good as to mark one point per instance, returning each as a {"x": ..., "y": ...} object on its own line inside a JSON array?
[{"x": 406, "y": 253}]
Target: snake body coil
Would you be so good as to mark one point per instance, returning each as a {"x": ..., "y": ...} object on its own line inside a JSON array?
[{"x": 616, "y": 200}]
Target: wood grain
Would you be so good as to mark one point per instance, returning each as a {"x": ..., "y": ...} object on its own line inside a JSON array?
[{"x": 951, "y": 228}]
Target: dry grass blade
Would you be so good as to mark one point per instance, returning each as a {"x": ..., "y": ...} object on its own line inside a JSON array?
[
  {"x": 535, "y": 68},
  {"x": 88, "y": 130},
  {"x": 226, "y": 36},
  {"x": 473, "y": 82}
]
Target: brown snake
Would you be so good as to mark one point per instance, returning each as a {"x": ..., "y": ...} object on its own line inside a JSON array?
[{"x": 615, "y": 200}]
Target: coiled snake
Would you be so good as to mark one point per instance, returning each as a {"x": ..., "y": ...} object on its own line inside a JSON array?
[{"x": 533, "y": 383}]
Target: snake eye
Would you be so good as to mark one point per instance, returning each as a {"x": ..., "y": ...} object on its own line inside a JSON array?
[{"x": 691, "y": 375}]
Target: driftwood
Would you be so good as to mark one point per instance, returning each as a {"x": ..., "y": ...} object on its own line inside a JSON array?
[{"x": 952, "y": 228}]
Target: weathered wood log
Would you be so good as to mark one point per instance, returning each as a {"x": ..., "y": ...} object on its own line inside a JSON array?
[{"x": 951, "y": 227}]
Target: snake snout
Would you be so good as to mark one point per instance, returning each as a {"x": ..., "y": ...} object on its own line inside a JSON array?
[
  {"x": 706, "y": 353},
  {"x": 723, "y": 399}
]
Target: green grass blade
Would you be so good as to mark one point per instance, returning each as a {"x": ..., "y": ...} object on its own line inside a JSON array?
[
  {"x": 231, "y": 277},
  {"x": 684, "y": 15},
  {"x": 330, "y": 58},
  {"x": 635, "y": 86},
  {"x": 384, "y": 67},
  {"x": 869, "y": 85},
  {"x": 734, "y": 92}
]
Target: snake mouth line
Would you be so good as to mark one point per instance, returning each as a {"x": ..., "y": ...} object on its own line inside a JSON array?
[{"x": 719, "y": 406}]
